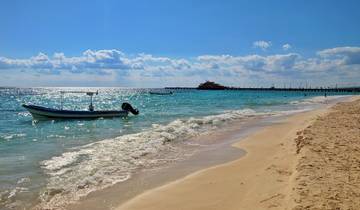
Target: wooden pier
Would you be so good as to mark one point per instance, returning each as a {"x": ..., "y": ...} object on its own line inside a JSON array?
[{"x": 328, "y": 90}]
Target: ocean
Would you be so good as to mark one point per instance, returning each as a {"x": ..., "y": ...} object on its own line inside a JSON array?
[{"x": 55, "y": 162}]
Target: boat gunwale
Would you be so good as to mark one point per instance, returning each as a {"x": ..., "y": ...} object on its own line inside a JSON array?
[{"x": 55, "y": 113}]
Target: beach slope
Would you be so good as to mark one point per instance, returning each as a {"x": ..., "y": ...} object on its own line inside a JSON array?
[
  {"x": 328, "y": 170},
  {"x": 272, "y": 173}
]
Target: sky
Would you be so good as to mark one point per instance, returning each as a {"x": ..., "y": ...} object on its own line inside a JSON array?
[{"x": 159, "y": 43}]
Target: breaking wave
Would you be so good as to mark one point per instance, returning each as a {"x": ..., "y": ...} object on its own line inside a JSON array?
[
  {"x": 317, "y": 100},
  {"x": 98, "y": 165}
]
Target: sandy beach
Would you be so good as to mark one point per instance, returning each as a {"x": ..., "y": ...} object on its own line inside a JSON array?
[
  {"x": 179, "y": 105},
  {"x": 329, "y": 155},
  {"x": 308, "y": 161}
]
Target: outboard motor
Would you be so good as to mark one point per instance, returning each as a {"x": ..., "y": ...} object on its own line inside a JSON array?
[{"x": 127, "y": 107}]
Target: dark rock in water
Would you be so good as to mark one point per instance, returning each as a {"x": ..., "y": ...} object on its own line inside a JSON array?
[{"x": 208, "y": 85}]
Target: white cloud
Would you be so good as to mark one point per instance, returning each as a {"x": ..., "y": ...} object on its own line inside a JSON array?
[
  {"x": 349, "y": 55},
  {"x": 286, "y": 47},
  {"x": 282, "y": 62},
  {"x": 336, "y": 64},
  {"x": 251, "y": 62},
  {"x": 264, "y": 45}
]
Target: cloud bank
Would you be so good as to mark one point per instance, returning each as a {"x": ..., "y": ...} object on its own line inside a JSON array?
[{"x": 115, "y": 68}]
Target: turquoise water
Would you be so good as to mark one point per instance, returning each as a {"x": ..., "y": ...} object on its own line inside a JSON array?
[{"x": 48, "y": 162}]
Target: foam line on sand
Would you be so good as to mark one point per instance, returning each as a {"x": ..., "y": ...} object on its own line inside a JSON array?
[{"x": 267, "y": 177}]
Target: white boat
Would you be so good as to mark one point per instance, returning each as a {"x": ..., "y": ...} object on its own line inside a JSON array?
[{"x": 39, "y": 112}]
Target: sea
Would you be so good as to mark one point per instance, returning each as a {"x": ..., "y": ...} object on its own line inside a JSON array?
[{"x": 51, "y": 163}]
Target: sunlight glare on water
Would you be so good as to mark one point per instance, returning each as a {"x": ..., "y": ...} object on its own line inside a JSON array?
[{"x": 59, "y": 160}]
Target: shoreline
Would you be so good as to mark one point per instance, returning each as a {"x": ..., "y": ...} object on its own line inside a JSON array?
[
  {"x": 221, "y": 152},
  {"x": 265, "y": 175},
  {"x": 217, "y": 150},
  {"x": 68, "y": 170}
]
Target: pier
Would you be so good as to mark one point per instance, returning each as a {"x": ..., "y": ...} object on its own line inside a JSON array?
[
  {"x": 214, "y": 86},
  {"x": 345, "y": 89}
]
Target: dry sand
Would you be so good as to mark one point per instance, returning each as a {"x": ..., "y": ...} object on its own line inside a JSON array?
[
  {"x": 281, "y": 170},
  {"x": 328, "y": 171}
]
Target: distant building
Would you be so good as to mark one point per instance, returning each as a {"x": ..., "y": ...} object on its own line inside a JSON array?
[{"x": 208, "y": 85}]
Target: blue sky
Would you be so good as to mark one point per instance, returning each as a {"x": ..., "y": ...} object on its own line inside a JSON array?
[{"x": 168, "y": 42}]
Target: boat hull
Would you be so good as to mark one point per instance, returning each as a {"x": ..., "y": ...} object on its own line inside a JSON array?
[{"x": 40, "y": 112}]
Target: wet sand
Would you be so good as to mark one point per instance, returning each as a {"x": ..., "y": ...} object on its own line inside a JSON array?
[
  {"x": 216, "y": 149},
  {"x": 270, "y": 175}
]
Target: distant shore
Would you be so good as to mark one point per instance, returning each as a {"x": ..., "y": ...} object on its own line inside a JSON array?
[
  {"x": 322, "y": 90},
  {"x": 290, "y": 165},
  {"x": 209, "y": 85}
]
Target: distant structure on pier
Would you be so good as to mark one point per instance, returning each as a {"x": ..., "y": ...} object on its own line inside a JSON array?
[{"x": 209, "y": 85}]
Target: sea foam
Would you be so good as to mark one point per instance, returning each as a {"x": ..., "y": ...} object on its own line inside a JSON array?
[
  {"x": 101, "y": 164},
  {"x": 317, "y": 100}
]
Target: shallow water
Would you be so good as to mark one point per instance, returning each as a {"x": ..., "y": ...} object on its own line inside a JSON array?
[{"x": 48, "y": 162}]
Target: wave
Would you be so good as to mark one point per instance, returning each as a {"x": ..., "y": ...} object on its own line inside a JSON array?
[
  {"x": 8, "y": 197},
  {"x": 8, "y": 137},
  {"x": 317, "y": 100},
  {"x": 98, "y": 165}
]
